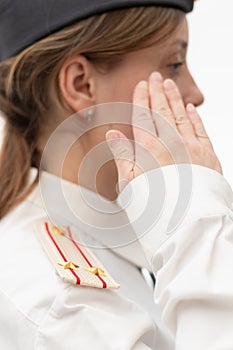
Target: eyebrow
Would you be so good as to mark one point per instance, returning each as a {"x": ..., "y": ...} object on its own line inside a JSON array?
[{"x": 182, "y": 43}]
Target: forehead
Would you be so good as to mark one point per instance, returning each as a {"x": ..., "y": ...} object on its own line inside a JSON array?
[
  {"x": 179, "y": 38},
  {"x": 177, "y": 42}
]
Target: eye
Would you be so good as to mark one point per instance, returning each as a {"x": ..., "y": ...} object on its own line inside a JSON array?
[{"x": 175, "y": 67}]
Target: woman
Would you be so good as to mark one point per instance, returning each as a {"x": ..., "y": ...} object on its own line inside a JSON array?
[{"x": 75, "y": 60}]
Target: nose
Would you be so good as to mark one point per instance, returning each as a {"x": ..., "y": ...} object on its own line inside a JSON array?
[{"x": 192, "y": 93}]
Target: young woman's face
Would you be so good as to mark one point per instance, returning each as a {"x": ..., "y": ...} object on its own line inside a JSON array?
[{"x": 169, "y": 58}]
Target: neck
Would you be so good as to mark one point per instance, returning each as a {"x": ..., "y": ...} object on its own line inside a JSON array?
[{"x": 89, "y": 170}]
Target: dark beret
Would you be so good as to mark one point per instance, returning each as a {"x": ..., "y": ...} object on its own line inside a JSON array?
[{"x": 23, "y": 22}]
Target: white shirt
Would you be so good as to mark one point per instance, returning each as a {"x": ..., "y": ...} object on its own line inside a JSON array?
[{"x": 191, "y": 306}]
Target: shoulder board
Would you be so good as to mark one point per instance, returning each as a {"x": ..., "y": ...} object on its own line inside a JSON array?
[{"x": 73, "y": 262}]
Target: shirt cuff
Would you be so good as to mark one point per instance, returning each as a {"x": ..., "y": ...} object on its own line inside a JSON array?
[{"x": 161, "y": 200}]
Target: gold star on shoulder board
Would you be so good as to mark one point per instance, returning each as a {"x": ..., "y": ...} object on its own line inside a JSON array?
[
  {"x": 69, "y": 265},
  {"x": 96, "y": 271},
  {"x": 57, "y": 231}
]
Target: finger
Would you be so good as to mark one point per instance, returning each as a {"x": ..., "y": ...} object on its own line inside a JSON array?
[
  {"x": 141, "y": 118},
  {"x": 198, "y": 125},
  {"x": 183, "y": 123},
  {"x": 159, "y": 103},
  {"x": 143, "y": 127},
  {"x": 145, "y": 135},
  {"x": 123, "y": 153}
]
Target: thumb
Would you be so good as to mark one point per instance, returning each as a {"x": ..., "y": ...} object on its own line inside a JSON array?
[{"x": 123, "y": 153}]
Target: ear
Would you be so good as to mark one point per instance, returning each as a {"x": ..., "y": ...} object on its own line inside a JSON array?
[{"x": 76, "y": 79}]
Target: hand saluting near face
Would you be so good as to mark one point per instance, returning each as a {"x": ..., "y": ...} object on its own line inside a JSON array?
[{"x": 152, "y": 132}]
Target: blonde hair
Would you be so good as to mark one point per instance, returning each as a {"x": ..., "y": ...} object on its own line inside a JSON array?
[{"x": 103, "y": 39}]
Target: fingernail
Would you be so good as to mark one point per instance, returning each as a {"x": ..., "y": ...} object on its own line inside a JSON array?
[
  {"x": 190, "y": 107},
  {"x": 156, "y": 76},
  {"x": 169, "y": 84},
  {"x": 112, "y": 135},
  {"x": 114, "y": 139},
  {"x": 142, "y": 85}
]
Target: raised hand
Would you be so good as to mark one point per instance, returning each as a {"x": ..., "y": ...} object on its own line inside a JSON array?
[{"x": 151, "y": 138}]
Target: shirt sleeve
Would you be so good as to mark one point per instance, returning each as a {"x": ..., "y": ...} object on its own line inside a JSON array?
[
  {"x": 93, "y": 318},
  {"x": 183, "y": 218}
]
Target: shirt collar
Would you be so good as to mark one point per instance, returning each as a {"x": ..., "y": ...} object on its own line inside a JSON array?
[{"x": 94, "y": 219}]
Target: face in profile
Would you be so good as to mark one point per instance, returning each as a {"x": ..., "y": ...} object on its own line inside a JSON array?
[{"x": 168, "y": 57}]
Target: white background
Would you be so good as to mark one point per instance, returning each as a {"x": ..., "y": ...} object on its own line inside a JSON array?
[{"x": 211, "y": 61}]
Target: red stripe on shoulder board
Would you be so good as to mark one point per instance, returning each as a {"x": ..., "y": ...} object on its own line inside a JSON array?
[
  {"x": 84, "y": 256},
  {"x": 78, "y": 281}
]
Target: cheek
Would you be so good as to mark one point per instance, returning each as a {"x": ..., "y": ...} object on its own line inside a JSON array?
[
  {"x": 119, "y": 90},
  {"x": 184, "y": 81},
  {"x": 118, "y": 86},
  {"x": 126, "y": 129},
  {"x": 184, "y": 85}
]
